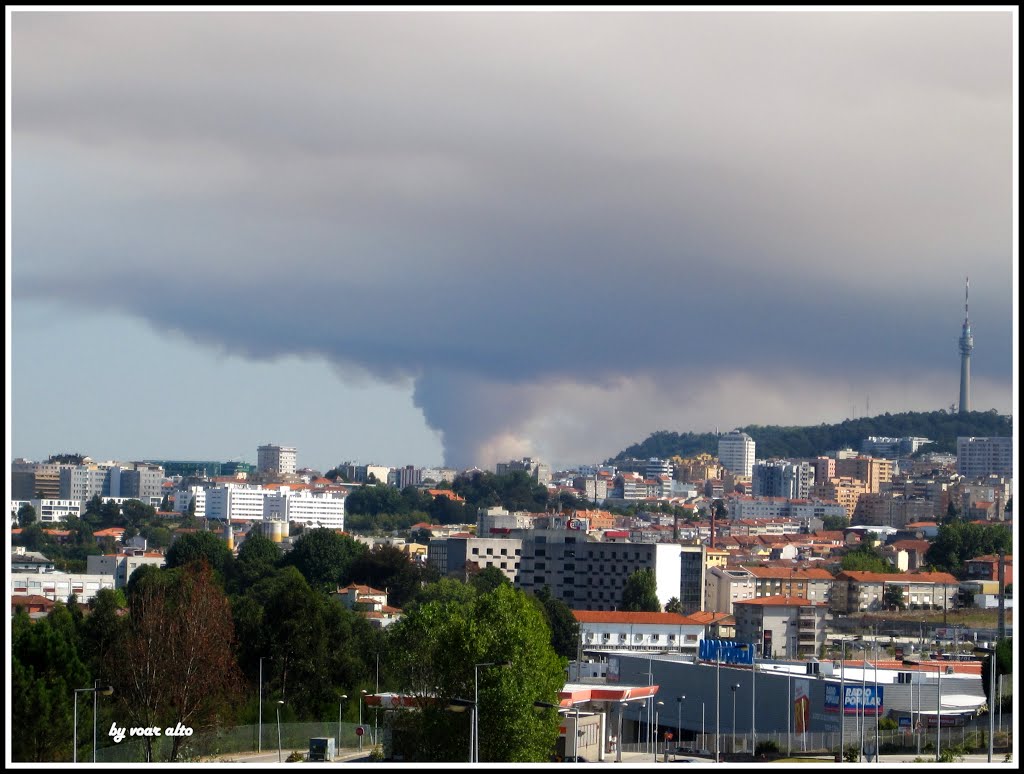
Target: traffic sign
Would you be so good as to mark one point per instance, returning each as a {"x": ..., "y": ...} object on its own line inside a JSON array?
[
  {"x": 668, "y": 735},
  {"x": 359, "y": 731}
]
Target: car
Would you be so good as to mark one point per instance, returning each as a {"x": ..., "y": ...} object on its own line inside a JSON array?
[
  {"x": 574, "y": 759},
  {"x": 686, "y": 751}
]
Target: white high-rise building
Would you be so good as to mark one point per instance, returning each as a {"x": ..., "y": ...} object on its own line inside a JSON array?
[
  {"x": 980, "y": 457},
  {"x": 278, "y": 460},
  {"x": 236, "y": 501},
  {"x": 736, "y": 453}
]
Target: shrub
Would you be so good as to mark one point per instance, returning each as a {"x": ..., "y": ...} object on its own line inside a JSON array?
[{"x": 767, "y": 747}]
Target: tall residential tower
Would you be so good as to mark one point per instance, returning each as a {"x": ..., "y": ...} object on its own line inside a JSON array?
[{"x": 966, "y": 345}]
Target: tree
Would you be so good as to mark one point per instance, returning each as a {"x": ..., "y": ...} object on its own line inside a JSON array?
[
  {"x": 135, "y": 512},
  {"x": 565, "y": 629},
  {"x": 324, "y": 557},
  {"x": 958, "y": 541},
  {"x": 640, "y": 594},
  {"x": 893, "y": 597},
  {"x": 45, "y": 671},
  {"x": 176, "y": 661},
  {"x": 866, "y": 558},
  {"x": 433, "y": 650},
  {"x": 196, "y": 546},
  {"x": 834, "y": 523},
  {"x": 256, "y": 559},
  {"x": 26, "y": 515},
  {"x": 488, "y": 579},
  {"x": 674, "y": 606}
]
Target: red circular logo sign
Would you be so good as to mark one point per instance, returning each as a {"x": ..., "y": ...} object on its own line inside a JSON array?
[{"x": 359, "y": 730}]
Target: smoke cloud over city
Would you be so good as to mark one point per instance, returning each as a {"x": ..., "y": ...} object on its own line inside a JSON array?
[{"x": 560, "y": 231}]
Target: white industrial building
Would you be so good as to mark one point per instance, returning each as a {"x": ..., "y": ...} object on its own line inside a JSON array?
[{"x": 312, "y": 509}]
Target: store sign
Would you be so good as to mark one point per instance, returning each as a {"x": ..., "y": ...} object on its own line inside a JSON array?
[
  {"x": 726, "y": 651},
  {"x": 859, "y": 698}
]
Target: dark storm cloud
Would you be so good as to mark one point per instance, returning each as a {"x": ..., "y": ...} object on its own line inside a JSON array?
[{"x": 504, "y": 206}]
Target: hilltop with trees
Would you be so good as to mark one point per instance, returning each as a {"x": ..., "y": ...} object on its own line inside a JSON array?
[{"x": 941, "y": 427}]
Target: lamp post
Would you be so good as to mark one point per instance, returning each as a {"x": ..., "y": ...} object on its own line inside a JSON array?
[
  {"x": 341, "y": 702},
  {"x": 476, "y": 700},
  {"x": 718, "y": 703},
  {"x": 753, "y": 692},
  {"x": 279, "y": 703},
  {"x": 938, "y": 706},
  {"x": 618, "y": 737},
  {"x": 106, "y": 690},
  {"x": 842, "y": 698},
  {"x": 657, "y": 729},
  {"x": 732, "y": 744},
  {"x": 992, "y": 695},
  {"x": 460, "y": 705},
  {"x": 359, "y": 734},
  {"x": 679, "y": 720},
  {"x": 863, "y": 705}
]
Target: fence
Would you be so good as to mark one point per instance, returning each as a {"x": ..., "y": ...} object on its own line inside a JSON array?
[
  {"x": 890, "y": 742},
  {"x": 236, "y": 739}
]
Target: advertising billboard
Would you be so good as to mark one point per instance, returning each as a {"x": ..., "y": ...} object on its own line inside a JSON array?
[{"x": 859, "y": 698}]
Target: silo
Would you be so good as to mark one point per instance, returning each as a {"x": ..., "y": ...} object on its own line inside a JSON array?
[{"x": 275, "y": 531}]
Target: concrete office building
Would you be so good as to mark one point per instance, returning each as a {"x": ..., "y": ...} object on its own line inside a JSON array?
[
  {"x": 236, "y": 501},
  {"x": 458, "y": 556},
  {"x": 793, "y": 627},
  {"x": 275, "y": 460},
  {"x": 736, "y": 452},
  {"x": 724, "y": 587},
  {"x": 781, "y": 478},
  {"x": 981, "y": 457}
]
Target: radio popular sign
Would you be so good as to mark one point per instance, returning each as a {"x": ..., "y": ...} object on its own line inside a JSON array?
[
  {"x": 858, "y": 698},
  {"x": 726, "y": 651}
]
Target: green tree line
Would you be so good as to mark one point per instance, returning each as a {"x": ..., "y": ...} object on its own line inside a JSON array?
[
  {"x": 941, "y": 427},
  {"x": 184, "y": 644}
]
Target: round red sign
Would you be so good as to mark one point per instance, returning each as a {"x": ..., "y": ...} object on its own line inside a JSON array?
[{"x": 359, "y": 730}]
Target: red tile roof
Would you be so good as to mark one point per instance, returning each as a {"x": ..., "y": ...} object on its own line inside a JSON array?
[
  {"x": 617, "y": 616},
  {"x": 780, "y": 601}
]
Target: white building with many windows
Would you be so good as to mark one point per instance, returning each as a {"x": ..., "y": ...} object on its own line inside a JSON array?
[
  {"x": 236, "y": 501},
  {"x": 736, "y": 453},
  {"x": 276, "y": 460},
  {"x": 981, "y": 457},
  {"x": 313, "y": 509},
  {"x": 613, "y": 630}
]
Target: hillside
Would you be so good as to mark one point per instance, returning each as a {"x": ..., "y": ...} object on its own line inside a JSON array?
[{"x": 811, "y": 441}]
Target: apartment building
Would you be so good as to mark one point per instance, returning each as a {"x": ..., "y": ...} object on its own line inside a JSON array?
[
  {"x": 736, "y": 453},
  {"x": 783, "y": 626},
  {"x": 58, "y": 586},
  {"x": 813, "y": 583},
  {"x": 230, "y": 502},
  {"x": 842, "y": 490},
  {"x": 591, "y": 575},
  {"x": 892, "y": 509},
  {"x": 873, "y": 471},
  {"x": 781, "y": 478},
  {"x": 538, "y": 471},
  {"x": 311, "y": 508},
  {"x": 275, "y": 460},
  {"x": 863, "y": 591},
  {"x": 980, "y": 457},
  {"x": 459, "y": 554},
  {"x": 122, "y": 565},
  {"x": 50, "y": 511},
  {"x": 617, "y": 630},
  {"x": 724, "y": 586}
]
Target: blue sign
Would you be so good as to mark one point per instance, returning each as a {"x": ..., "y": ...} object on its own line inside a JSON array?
[
  {"x": 726, "y": 651},
  {"x": 905, "y": 722},
  {"x": 859, "y": 698}
]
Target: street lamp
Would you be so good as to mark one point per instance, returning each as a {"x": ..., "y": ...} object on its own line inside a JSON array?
[
  {"x": 106, "y": 690},
  {"x": 476, "y": 700},
  {"x": 341, "y": 702},
  {"x": 753, "y": 692},
  {"x": 361, "y": 731},
  {"x": 656, "y": 730},
  {"x": 938, "y": 705},
  {"x": 679, "y": 720},
  {"x": 842, "y": 698},
  {"x": 279, "y": 703},
  {"x": 992, "y": 695},
  {"x": 718, "y": 702},
  {"x": 461, "y": 705},
  {"x": 732, "y": 745}
]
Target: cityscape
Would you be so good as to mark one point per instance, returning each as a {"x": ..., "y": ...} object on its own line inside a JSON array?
[{"x": 440, "y": 387}]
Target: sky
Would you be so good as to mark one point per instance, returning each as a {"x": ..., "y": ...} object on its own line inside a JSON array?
[{"x": 463, "y": 237}]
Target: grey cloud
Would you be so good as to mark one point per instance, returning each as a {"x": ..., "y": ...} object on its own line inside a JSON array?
[{"x": 499, "y": 205}]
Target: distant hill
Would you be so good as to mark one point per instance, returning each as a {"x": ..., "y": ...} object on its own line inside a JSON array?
[{"x": 811, "y": 441}]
